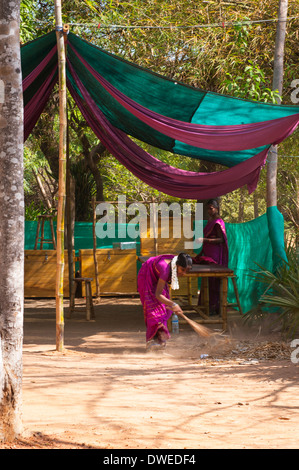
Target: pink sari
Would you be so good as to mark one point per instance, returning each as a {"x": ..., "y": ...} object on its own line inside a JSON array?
[
  {"x": 155, "y": 313},
  {"x": 213, "y": 254}
]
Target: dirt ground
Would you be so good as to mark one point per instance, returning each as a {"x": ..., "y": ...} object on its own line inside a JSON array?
[{"x": 106, "y": 392}]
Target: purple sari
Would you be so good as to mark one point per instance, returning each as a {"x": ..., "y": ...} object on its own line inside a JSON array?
[
  {"x": 155, "y": 313},
  {"x": 213, "y": 254}
]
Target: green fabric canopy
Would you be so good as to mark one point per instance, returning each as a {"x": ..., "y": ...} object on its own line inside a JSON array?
[
  {"x": 153, "y": 91},
  {"x": 168, "y": 98}
]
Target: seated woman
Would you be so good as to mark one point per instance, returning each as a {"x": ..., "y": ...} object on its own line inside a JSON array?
[
  {"x": 153, "y": 279},
  {"x": 214, "y": 251}
]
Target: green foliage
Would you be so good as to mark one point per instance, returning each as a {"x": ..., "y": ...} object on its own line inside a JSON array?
[
  {"x": 282, "y": 293},
  {"x": 33, "y": 210},
  {"x": 33, "y": 160},
  {"x": 27, "y": 17},
  {"x": 242, "y": 35},
  {"x": 251, "y": 85},
  {"x": 251, "y": 82}
]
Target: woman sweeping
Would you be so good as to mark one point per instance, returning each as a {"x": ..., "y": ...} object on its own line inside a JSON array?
[
  {"x": 214, "y": 251},
  {"x": 153, "y": 279}
]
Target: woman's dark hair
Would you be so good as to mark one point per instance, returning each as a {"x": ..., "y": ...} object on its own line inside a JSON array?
[
  {"x": 214, "y": 203},
  {"x": 184, "y": 260}
]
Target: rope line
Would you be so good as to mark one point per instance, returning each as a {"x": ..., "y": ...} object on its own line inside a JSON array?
[{"x": 210, "y": 25}]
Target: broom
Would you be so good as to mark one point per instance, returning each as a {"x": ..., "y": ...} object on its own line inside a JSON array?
[{"x": 199, "y": 329}]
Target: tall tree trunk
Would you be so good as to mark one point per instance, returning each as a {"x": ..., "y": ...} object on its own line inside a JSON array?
[
  {"x": 255, "y": 205},
  {"x": 241, "y": 207},
  {"x": 11, "y": 223},
  {"x": 277, "y": 85},
  {"x": 206, "y": 167},
  {"x": 93, "y": 158}
]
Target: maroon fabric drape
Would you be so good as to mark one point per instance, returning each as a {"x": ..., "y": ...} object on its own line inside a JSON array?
[
  {"x": 34, "y": 107},
  {"x": 27, "y": 81},
  {"x": 165, "y": 178}
]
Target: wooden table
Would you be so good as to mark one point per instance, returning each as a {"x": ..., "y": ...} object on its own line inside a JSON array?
[{"x": 205, "y": 272}]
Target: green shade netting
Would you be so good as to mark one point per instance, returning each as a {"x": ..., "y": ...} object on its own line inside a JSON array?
[
  {"x": 254, "y": 243},
  {"x": 83, "y": 236}
]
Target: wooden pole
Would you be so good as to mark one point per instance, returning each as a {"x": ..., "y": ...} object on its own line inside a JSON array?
[
  {"x": 155, "y": 223},
  {"x": 96, "y": 271},
  {"x": 62, "y": 177},
  {"x": 277, "y": 85}
]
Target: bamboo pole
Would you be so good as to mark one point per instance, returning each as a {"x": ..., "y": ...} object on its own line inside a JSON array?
[{"x": 62, "y": 177}]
